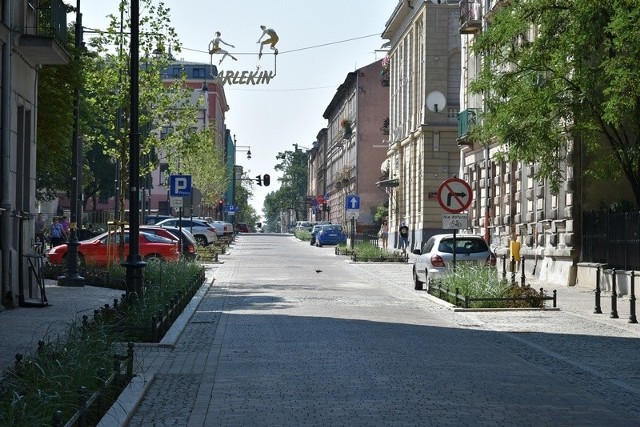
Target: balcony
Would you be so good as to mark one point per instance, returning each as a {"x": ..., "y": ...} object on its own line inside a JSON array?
[
  {"x": 466, "y": 119},
  {"x": 45, "y": 43},
  {"x": 470, "y": 16}
]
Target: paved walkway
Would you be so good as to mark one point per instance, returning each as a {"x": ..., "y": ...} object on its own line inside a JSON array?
[{"x": 233, "y": 338}]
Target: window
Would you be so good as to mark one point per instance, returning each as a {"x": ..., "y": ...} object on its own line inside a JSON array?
[{"x": 198, "y": 73}]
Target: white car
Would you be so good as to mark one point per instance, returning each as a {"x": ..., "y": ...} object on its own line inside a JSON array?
[
  {"x": 436, "y": 256},
  {"x": 204, "y": 233},
  {"x": 227, "y": 228}
]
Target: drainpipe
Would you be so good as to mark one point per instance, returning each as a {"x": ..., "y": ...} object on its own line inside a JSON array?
[{"x": 5, "y": 147}]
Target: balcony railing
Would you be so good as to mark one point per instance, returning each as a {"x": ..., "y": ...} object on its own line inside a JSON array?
[
  {"x": 470, "y": 16},
  {"x": 45, "y": 42},
  {"x": 466, "y": 119}
]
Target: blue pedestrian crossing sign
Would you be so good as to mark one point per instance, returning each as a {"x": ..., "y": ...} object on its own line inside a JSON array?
[
  {"x": 353, "y": 202},
  {"x": 179, "y": 185}
]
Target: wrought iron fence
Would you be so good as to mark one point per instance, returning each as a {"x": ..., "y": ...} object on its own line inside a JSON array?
[{"x": 612, "y": 239}]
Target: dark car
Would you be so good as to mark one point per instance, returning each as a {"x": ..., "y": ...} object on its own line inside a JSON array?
[
  {"x": 314, "y": 231},
  {"x": 242, "y": 228},
  {"x": 187, "y": 242}
]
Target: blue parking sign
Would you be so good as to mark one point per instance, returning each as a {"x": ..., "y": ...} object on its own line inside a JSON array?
[{"x": 179, "y": 185}]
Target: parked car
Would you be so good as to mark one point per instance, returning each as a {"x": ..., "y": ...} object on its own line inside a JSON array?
[
  {"x": 204, "y": 233},
  {"x": 304, "y": 225},
  {"x": 436, "y": 256},
  {"x": 185, "y": 239},
  {"x": 330, "y": 234},
  {"x": 103, "y": 249},
  {"x": 227, "y": 227},
  {"x": 154, "y": 219},
  {"x": 314, "y": 231},
  {"x": 241, "y": 227}
]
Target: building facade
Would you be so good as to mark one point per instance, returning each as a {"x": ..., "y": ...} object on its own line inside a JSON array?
[
  {"x": 31, "y": 35},
  {"x": 512, "y": 208},
  {"x": 352, "y": 147},
  {"x": 424, "y": 83}
]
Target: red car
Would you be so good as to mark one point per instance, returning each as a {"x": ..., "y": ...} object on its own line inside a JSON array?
[{"x": 103, "y": 249}]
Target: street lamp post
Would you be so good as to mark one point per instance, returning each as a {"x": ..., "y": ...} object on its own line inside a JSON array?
[
  {"x": 72, "y": 276},
  {"x": 134, "y": 263}
]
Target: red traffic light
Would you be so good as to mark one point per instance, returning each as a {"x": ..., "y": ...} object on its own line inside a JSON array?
[{"x": 266, "y": 180}]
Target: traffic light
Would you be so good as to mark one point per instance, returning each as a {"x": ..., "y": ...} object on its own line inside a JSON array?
[
  {"x": 259, "y": 180},
  {"x": 266, "y": 179}
]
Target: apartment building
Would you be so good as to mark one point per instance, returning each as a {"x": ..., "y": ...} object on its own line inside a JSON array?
[
  {"x": 353, "y": 146},
  {"x": 32, "y": 34},
  {"x": 424, "y": 86}
]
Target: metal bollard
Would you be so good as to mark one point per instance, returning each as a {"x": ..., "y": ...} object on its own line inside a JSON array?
[
  {"x": 504, "y": 267},
  {"x": 597, "y": 310},
  {"x": 522, "y": 279},
  {"x": 513, "y": 271},
  {"x": 632, "y": 299},
  {"x": 614, "y": 296}
]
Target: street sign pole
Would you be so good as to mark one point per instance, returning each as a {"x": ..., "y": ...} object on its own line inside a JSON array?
[{"x": 353, "y": 232}]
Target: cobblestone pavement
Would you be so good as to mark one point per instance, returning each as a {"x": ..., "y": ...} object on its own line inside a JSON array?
[{"x": 290, "y": 334}]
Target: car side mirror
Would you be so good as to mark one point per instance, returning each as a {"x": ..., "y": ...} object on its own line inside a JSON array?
[{"x": 417, "y": 252}]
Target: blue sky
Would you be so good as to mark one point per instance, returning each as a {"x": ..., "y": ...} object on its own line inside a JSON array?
[{"x": 320, "y": 42}]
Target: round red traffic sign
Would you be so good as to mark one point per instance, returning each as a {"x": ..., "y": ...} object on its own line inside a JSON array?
[{"x": 455, "y": 195}]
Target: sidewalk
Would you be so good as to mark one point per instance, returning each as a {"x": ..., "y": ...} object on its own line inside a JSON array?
[{"x": 22, "y": 327}]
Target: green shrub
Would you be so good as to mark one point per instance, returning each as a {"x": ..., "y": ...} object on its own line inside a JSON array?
[
  {"x": 304, "y": 235},
  {"x": 483, "y": 282}
]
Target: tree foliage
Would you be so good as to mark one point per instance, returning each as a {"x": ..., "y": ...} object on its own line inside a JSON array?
[
  {"x": 291, "y": 196},
  {"x": 559, "y": 72},
  {"x": 168, "y": 112}
]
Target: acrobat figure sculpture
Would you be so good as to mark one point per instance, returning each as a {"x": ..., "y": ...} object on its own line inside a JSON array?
[
  {"x": 214, "y": 48},
  {"x": 271, "y": 40}
]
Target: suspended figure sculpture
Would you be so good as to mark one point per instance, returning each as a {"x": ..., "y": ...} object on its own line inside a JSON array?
[
  {"x": 271, "y": 40},
  {"x": 214, "y": 48}
]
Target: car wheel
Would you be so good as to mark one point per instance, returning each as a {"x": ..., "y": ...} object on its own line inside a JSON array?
[
  {"x": 416, "y": 281},
  {"x": 201, "y": 240},
  {"x": 153, "y": 259}
]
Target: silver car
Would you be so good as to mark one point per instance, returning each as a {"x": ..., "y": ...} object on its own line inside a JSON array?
[
  {"x": 436, "y": 256},
  {"x": 204, "y": 233}
]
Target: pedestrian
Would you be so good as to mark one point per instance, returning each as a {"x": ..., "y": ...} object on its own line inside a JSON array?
[
  {"x": 56, "y": 233},
  {"x": 65, "y": 228},
  {"x": 271, "y": 40},
  {"x": 384, "y": 234},
  {"x": 403, "y": 233},
  {"x": 39, "y": 234}
]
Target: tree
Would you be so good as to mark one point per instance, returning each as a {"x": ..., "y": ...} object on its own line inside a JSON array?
[
  {"x": 563, "y": 72},
  {"x": 162, "y": 107},
  {"x": 56, "y": 85},
  {"x": 246, "y": 213},
  {"x": 292, "y": 193}
]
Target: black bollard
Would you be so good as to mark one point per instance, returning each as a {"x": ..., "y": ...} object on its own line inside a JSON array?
[
  {"x": 597, "y": 310},
  {"x": 614, "y": 296},
  {"x": 504, "y": 267},
  {"x": 522, "y": 280},
  {"x": 513, "y": 271},
  {"x": 632, "y": 299}
]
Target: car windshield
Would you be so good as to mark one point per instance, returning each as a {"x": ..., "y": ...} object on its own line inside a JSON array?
[
  {"x": 337, "y": 228},
  {"x": 463, "y": 246}
]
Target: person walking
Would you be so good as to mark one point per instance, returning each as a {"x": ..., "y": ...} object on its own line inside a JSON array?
[
  {"x": 403, "y": 233},
  {"x": 56, "y": 233},
  {"x": 384, "y": 234}
]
